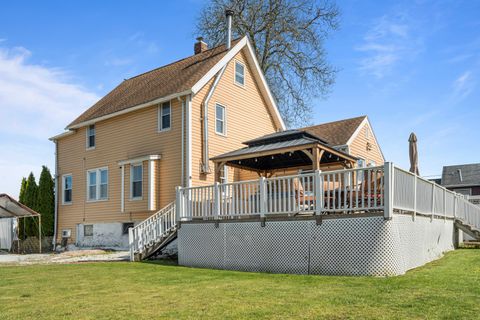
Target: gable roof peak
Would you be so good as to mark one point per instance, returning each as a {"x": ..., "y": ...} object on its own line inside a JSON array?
[
  {"x": 337, "y": 132},
  {"x": 173, "y": 78}
]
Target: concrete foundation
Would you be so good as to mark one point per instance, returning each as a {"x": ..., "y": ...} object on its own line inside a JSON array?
[{"x": 104, "y": 235}]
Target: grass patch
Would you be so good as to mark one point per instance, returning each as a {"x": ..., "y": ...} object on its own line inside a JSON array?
[{"x": 446, "y": 289}]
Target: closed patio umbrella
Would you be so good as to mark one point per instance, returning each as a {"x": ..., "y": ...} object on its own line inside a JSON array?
[{"x": 413, "y": 152}]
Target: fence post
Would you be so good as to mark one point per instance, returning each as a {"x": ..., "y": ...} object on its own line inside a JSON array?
[
  {"x": 178, "y": 202},
  {"x": 454, "y": 206},
  {"x": 216, "y": 207},
  {"x": 415, "y": 197},
  {"x": 130, "y": 244},
  {"x": 433, "y": 201},
  {"x": 318, "y": 192},
  {"x": 263, "y": 197},
  {"x": 388, "y": 181},
  {"x": 445, "y": 204}
]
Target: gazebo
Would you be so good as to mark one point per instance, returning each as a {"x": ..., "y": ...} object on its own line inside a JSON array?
[
  {"x": 11, "y": 208},
  {"x": 286, "y": 150}
]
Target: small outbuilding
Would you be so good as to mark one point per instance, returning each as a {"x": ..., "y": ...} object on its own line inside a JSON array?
[{"x": 10, "y": 212}]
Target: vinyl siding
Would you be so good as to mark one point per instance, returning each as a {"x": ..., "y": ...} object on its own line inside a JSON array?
[
  {"x": 247, "y": 117},
  {"x": 135, "y": 134},
  {"x": 358, "y": 147},
  {"x": 124, "y": 137}
]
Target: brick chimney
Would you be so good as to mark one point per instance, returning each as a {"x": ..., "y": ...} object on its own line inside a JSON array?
[{"x": 200, "y": 46}]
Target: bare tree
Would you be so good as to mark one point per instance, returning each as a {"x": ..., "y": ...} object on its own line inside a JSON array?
[{"x": 288, "y": 38}]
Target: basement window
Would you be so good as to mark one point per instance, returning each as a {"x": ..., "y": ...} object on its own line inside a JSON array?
[
  {"x": 88, "y": 230},
  {"x": 126, "y": 226},
  {"x": 239, "y": 74}
]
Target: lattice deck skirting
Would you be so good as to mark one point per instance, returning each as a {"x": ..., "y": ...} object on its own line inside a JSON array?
[{"x": 348, "y": 246}]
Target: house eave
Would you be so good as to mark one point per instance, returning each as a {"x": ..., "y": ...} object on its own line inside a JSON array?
[
  {"x": 131, "y": 109},
  {"x": 61, "y": 135}
]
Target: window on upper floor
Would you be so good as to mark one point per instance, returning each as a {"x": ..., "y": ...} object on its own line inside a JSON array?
[
  {"x": 220, "y": 119},
  {"x": 239, "y": 73},
  {"x": 67, "y": 188},
  {"x": 97, "y": 182},
  {"x": 91, "y": 136},
  {"x": 136, "y": 179},
  {"x": 164, "y": 116},
  {"x": 367, "y": 133}
]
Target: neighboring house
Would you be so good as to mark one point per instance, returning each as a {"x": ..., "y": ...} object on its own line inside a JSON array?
[
  {"x": 121, "y": 160},
  {"x": 354, "y": 136},
  {"x": 464, "y": 179}
]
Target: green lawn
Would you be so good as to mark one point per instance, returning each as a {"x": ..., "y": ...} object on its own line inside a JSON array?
[{"x": 448, "y": 288}]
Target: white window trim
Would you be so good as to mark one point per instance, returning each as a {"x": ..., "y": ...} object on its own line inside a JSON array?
[
  {"x": 87, "y": 137},
  {"x": 131, "y": 181},
  {"x": 224, "y": 134},
  {"x": 159, "y": 124},
  {"x": 97, "y": 198},
  {"x": 235, "y": 73},
  {"x": 66, "y": 203}
]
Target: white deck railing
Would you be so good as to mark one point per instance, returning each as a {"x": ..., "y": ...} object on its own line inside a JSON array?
[
  {"x": 346, "y": 191},
  {"x": 382, "y": 188}
]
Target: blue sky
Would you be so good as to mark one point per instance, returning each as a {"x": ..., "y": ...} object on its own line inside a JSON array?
[{"x": 410, "y": 66}]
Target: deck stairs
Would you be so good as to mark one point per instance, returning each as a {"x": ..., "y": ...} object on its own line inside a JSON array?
[
  {"x": 469, "y": 229},
  {"x": 152, "y": 235}
]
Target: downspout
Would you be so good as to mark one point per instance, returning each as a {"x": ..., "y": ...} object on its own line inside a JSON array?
[
  {"x": 182, "y": 179},
  {"x": 54, "y": 241},
  {"x": 188, "y": 112},
  {"x": 205, "y": 160}
]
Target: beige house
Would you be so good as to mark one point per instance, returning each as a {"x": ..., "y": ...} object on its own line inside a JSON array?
[{"x": 121, "y": 160}]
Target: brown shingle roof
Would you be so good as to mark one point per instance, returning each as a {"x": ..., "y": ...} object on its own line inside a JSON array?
[
  {"x": 173, "y": 78},
  {"x": 336, "y": 133}
]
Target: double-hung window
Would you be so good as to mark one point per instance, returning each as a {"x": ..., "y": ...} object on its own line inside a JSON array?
[
  {"x": 239, "y": 73},
  {"x": 136, "y": 178},
  {"x": 91, "y": 136},
  {"x": 220, "y": 119},
  {"x": 97, "y": 182},
  {"x": 165, "y": 116},
  {"x": 67, "y": 189}
]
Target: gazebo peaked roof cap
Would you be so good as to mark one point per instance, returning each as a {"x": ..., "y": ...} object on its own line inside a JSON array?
[
  {"x": 281, "y": 136},
  {"x": 11, "y": 208}
]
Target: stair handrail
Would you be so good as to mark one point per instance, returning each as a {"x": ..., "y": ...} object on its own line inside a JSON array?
[{"x": 152, "y": 229}]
